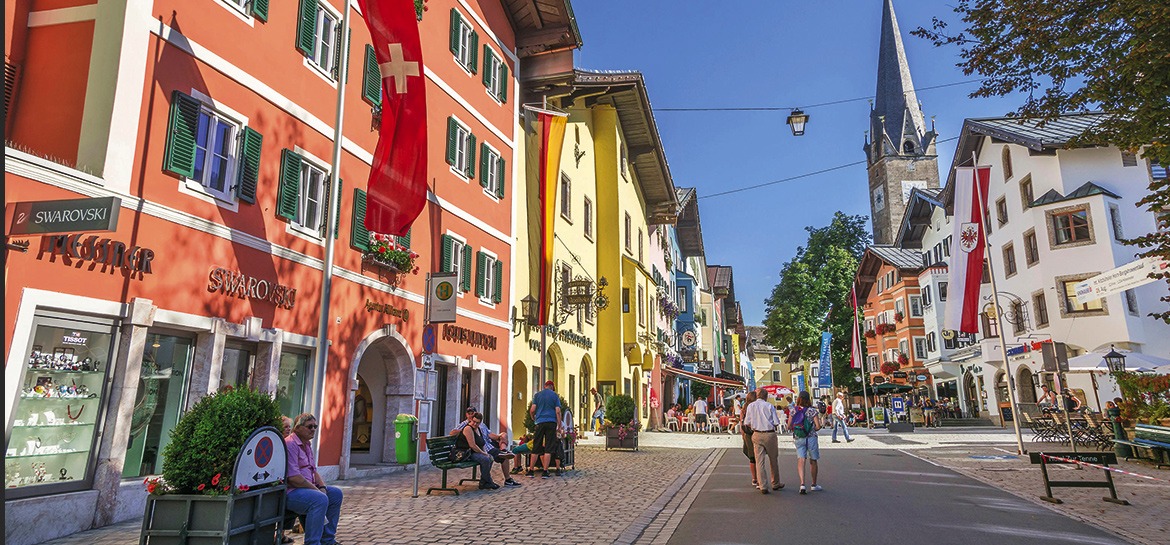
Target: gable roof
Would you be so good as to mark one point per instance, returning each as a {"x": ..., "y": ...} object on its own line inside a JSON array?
[
  {"x": 543, "y": 26},
  {"x": 688, "y": 228},
  {"x": 877, "y": 255},
  {"x": 917, "y": 218}
]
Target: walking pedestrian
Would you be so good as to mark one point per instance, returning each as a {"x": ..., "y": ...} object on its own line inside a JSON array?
[
  {"x": 839, "y": 418},
  {"x": 749, "y": 449},
  {"x": 546, "y": 412},
  {"x": 599, "y": 412},
  {"x": 761, "y": 417},
  {"x": 804, "y": 423}
]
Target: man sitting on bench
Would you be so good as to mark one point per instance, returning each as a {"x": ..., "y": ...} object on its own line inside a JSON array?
[
  {"x": 307, "y": 493},
  {"x": 493, "y": 445}
]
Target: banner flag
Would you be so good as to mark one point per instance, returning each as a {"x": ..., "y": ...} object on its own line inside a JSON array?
[
  {"x": 855, "y": 356},
  {"x": 550, "y": 128},
  {"x": 966, "y": 269},
  {"x": 397, "y": 188},
  {"x": 825, "y": 378}
]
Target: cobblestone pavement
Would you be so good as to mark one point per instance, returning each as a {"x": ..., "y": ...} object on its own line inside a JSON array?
[
  {"x": 612, "y": 495},
  {"x": 1146, "y": 520}
]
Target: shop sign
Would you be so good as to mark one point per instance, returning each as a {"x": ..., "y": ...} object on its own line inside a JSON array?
[
  {"x": 899, "y": 374},
  {"x": 466, "y": 336},
  {"x": 238, "y": 284},
  {"x": 575, "y": 339},
  {"x": 65, "y": 216},
  {"x": 387, "y": 308},
  {"x": 441, "y": 300},
  {"x": 921, "y": 378},
  {"x": 101, "y": 250},
  {"x": 1128, "y": 276},
  {"x": 74, "y": 338},
  {"x": 879, "y": 379}
]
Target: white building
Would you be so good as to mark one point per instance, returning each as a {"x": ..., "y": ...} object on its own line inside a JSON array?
[{"x": 1057, "y": 216}]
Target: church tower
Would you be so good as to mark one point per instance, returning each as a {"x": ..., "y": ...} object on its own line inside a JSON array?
[{"x": 900, "y": 149}]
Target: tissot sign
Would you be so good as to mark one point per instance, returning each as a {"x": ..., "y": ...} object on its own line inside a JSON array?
[{"x": 66, "y": 216}]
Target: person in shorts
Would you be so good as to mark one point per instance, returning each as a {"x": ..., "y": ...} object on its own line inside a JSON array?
[
  {"x": 546, "y": 413},
  {"x": 804, "y": 421}
]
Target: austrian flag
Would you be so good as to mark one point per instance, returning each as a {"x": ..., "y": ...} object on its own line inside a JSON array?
[
  {"x": 966, "y": 270},
  {"x": 397, "y": 189}
]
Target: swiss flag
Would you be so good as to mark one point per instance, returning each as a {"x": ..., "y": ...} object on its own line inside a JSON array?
[
  {"x": 966, "y": 269},
  {"x": 397, "y": 189}
]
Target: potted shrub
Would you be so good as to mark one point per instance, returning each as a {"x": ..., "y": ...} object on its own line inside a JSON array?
[
  {"x": 195, "y": 491},
  {"x": 621, "y": 423}
]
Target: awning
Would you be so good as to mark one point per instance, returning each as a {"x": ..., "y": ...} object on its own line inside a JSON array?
[{"x": 703, "y": 378}]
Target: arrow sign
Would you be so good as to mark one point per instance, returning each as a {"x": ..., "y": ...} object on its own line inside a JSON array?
[{"x": 262, "y": 459}]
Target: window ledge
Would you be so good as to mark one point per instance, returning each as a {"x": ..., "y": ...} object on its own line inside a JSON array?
[
  {"x": 304, "y": 233},
  {"x": 320, "y": 72},
  {"x": 195, "y": 189}
]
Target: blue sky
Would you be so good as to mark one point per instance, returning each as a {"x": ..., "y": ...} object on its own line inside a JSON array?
[{"x": 765, "y": 54}]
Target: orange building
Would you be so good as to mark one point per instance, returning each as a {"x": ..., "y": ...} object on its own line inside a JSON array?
[
  {"x": 193, "y": 140},
  {"x": 887, "y": 282}
]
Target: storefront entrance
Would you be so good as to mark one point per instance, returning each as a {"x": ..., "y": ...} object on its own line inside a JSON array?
[
  {"x": 519, "y": 397},
  {"x": 383, "y": 388},
  {"x": 972, "y": 398}
]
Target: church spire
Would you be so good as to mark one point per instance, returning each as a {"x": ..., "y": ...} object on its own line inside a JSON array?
[{"x": 896, "y": 121}]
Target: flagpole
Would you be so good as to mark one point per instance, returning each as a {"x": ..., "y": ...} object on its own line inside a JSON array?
[
  {"x": 332, "y": 212},
  {"x": 984, "y": 219},
  {"x": 861, "y": 363}
]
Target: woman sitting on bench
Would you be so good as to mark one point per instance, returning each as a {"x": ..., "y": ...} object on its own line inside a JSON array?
[{"x": 472, "y": 439}]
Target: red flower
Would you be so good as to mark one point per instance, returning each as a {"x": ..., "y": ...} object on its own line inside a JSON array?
[
  {"x": 226, "y": 488},
  {"x": 201, "y": 486},
  {"x": 215, "y": 480},
  {"x": 243, "y": 488}
]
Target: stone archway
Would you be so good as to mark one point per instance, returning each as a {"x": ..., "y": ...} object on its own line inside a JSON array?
[
  {"x": 1026, "y": 387},
  {"x": 385, "y": 364},
  {"x": 555, "y": 369},
  {"x": 520, "y": 396},
  {"x": 587, "y": 384}
]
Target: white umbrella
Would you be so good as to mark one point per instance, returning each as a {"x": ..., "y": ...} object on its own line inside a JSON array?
[{"x": 1134, "y": 361}]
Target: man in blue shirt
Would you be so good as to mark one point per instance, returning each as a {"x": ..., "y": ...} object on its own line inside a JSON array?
[{"x": 546, "y": 412}]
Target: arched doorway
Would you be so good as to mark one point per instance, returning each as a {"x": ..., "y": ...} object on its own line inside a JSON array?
[
  {"x": 587, "y": 407},
  {"x": 1026, "y": 387},
  {"x": 554, "y": 369},
  {"x": 521, "y": 397},
  {"x": 382, "y": 382},
  {"x": 971, "y": 393}
]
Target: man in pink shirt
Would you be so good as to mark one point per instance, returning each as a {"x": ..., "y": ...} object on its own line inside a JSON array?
[{"x": 307, "y": 493}]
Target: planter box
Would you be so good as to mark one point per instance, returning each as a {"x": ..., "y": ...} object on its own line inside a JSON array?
[
  {"x": 375, "y": 262},
  {"x": 253, "y": 518},
  {"x": 612, "y": 441}
]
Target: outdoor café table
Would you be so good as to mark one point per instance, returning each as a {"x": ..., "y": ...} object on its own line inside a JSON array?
[{"x": 724, "y": 421}]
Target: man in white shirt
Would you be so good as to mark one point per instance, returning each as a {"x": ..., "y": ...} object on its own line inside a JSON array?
[
  {"x": 701, "y": 412},
  {"x": 839, "y": 418},
  {"x": 760, "y": 416}
]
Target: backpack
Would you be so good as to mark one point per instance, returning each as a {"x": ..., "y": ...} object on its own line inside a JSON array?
[{"x": 802, "y": 425}]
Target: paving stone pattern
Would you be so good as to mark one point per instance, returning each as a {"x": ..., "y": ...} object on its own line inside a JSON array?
[
  {"x": 1145, "y": 521},
  {"x": 609, "y": 492}
]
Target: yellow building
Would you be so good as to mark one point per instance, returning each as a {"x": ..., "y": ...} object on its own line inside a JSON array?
[
  {"x": 614, "y": 186},
  {"x": 768, "y": 362}
]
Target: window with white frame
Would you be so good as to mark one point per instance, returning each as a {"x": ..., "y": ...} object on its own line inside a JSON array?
[
  {"x": 927, "y": 299},
  {"x": 872, "y": 362},
  {"x": 311, "y": 211},
  {"x": 494, "y": 75},
  {"x": 215, "y": 153},
  {"x": 629, "y": 233},
  {"x": 464, "y": 41},
  {"x": 489, "y": 270},
  {"x": 458, "y": 248},
  {"x": 492, "y": 175},
  {"x": 903, "y": 347},
  {"x": 325, "y": 40},
  {"x": 682, "y": 299},
  {"x": 776, "y": 377},
  {"x": 920, "y": 350},
  {"x": 931, "y": 342},
  {"x": 460, "y": 148},
  {"x": 915, "y": 306},
  {"x": 899, "y": 307}
]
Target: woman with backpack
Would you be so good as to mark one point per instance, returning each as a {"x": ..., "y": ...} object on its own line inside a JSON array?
[{"x": 804, "y": 421}]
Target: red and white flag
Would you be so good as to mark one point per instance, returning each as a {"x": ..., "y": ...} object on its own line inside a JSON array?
[
  {"x": 397, "y": 189},
  {"x": 966, "y": 268},
  {"x": 855, "y": 356}
]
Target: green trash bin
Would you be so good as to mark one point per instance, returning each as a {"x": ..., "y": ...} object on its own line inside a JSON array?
[{"x": 406, "y": 439}]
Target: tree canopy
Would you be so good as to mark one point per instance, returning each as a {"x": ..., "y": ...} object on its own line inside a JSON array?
[
  {"x": 1108, "y": 55},
  {"x": 813, "y": 293}
]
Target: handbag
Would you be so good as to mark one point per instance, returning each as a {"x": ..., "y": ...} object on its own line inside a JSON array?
[{"x": 460, "y": 455}]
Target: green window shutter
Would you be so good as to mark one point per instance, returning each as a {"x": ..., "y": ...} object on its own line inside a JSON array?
[
  {"x": 480, "y": 276},
  {"x": 179, "y": 155},
  {"x": 372, "y": 78},
  {"x": 503, "y": 81},
  {"x": 465, "y": 271},
  {"x": 483, "y": 165},
  {"x": 404, "y": 240},
  {"x": 448, "y": 244},
  {"x": 348, "y": 40},
  {"x": 307, "y": 26},
  {"x": 498, "y": 283},
  {"x": 500, "y": 176},
  {"x": 337, "y": 47},
  {"x": 290, "y": 184},
  {"x": 470, "y": 156},
  {"x": 337, "y": 209},
  {"x": 249, "y": 165},
  {"x": 487, "y": 67},
  {"x": 452, "y": 140},
  {"x": 456, "y": 25},
  {"x": 474, "y": 47},
  {"x": 359, "y": 236},
  {"x": 260, "y": 9}
]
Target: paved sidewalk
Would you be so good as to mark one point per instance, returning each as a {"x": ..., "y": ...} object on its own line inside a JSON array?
[
  {"x": 1145, "y": 521},
  {"x": 612, "y": 493}
]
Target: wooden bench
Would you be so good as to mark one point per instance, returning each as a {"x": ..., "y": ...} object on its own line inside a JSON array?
[
  {"x": 440, "y": 450},
  {"x": 1155, "y": 439}
]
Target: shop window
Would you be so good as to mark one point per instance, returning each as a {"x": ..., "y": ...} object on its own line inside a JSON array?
[
  {"x": 290, "y": 384},
  {"x": 363, "y": 417},
  {"x": 60, "y": 401},
  {"x": 166, "y": 361},
  {"x": 237, "y": 367}
]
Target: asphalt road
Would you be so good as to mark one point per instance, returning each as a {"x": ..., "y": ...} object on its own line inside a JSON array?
[{"x": 872, "y": 497}]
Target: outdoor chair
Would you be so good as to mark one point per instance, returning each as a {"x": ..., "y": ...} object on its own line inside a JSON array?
[
  {"x": 689, "y": 423},
  {"x": 672, "y": 423}
]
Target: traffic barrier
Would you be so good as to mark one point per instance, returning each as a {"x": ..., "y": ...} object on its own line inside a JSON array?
[{"x": 1095, "y": 459}]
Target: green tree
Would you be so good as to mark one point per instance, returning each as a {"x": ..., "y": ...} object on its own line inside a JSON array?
[
  {"x": 700, "y": 389},
  {"x": 1109, "y": 55},
  {"x": 813, "y": 293}
]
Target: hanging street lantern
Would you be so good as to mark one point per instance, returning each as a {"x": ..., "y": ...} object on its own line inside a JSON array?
[
  {"x": 1115, "y": 361},
  {"x": 797, "y": 120}
]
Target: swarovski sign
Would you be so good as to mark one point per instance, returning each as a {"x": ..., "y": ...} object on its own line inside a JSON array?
[{"x": 65, "y": 216}]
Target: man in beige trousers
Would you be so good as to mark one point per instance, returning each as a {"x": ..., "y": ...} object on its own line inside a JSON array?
[{"x": 760, "y": 416}]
